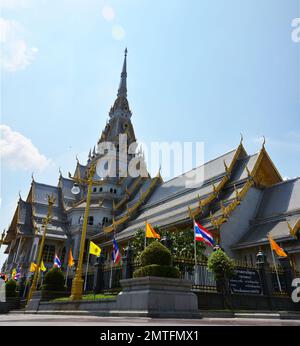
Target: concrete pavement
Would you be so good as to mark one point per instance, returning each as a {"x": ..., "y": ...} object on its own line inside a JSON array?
[{"x": 70, "y": 320}]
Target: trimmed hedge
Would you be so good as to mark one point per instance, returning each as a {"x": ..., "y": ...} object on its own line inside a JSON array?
[
  {"x": 54, "y": 280},
  {"x": 11, "y": 289},
  {"x": 156, "y": 253},
  {"x": 157, "y": 270}
]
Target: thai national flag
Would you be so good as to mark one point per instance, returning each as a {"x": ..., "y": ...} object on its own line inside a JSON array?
[
  {"x": 116, "y": 256},
  {"x": 18, "y": 273},
  {"x": 202, "y": 234},
  {"x": 57, "y": 262}
]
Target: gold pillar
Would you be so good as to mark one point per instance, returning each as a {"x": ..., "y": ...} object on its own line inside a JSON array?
[
  {"x": 33, "y": 287},
  {"x": 77, "y": 283}
]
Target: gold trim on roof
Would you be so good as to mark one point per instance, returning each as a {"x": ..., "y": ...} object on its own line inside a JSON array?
[
  {"x": 294, "y": 230},
  {"x": 131, "y": 210},
  {"x": 216, "y": 189}
]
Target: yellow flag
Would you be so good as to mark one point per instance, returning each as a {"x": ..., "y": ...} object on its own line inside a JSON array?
[
  {"x": 42, "y": 267},
  {"x": 32, "y": 267},
  {"x": 94, "y": 249},
  {"x": 71, "y": 259},
  {"x": 150, "y": 233},
  {"x": 14, "y": 272},
  {"x": 274, "y": 246}
]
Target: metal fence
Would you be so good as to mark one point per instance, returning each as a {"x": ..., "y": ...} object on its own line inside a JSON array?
[{"x": 203, "y": 279}]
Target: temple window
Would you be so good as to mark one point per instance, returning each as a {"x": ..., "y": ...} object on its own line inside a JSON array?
[{"x": 48, "y": 253}]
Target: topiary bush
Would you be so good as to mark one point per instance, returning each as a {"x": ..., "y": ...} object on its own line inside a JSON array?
[
  {"x": 11, "y": 289},
  {"x": 156, "y": 260},
  {"x": 156, "y": 253},
  {"x": 54, "y": 280},
  {"x": 157, "y": 270}
]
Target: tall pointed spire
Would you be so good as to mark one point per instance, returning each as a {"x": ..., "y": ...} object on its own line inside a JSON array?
[
  {"x": 121, "y": 106},
  {"x": 122, "y": 92}
]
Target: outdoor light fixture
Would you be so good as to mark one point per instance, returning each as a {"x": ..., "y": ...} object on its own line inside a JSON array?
[{"x": 75, "y": 189}]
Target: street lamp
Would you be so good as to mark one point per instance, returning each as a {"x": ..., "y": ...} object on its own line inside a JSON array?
[
  {"x": 51, "y": 201},
  {"x": 77, "y": 283},
  {"x": 75, "y": 189}
]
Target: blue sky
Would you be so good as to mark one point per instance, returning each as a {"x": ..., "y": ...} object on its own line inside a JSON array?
[{"x": 197, "y": 71}]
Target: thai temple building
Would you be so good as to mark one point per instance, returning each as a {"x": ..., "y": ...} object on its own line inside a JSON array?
[{"x": 243, "y": 198}]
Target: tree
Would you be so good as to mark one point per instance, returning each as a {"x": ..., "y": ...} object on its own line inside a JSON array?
[
  {"x": 182, "y": 243},
  {"x": 221, "y": 265},
  {"x": 223, "y": 268}
]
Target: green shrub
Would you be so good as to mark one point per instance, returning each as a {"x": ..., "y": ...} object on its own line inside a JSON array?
[
  {"x": 156, "y": 253},
  {"x": 157, "y": 270},
  {"x": 11, "y": 289},
  {"x": 221, "y": 265},
  {"x": 54, "y": 280},
  {"x": 156, "y": 260}
]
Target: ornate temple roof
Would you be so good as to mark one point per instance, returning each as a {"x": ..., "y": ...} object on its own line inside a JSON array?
[{"x": 278, "y": 214}]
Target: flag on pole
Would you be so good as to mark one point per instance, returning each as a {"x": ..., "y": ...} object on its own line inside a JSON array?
[
  {"x": 57, "y": 262},
  {"x": 17, "y": 273},
  {"x": 14, "y": 272},
  {"x": 94, "y": 249},
  {"x": 71, "y": 259},
  {"x": 274, "y": 246},
  {"x": 116, "y": 256},
  {"x": 3, "y": 277},
  {"x": 150, "y": 233},
  {"x": 32, "y": 267},
  {"x": 42, "y": 267},
  {"x": 202, "y": 234}
]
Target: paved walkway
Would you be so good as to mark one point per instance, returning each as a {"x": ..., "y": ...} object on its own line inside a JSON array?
[{"x": 63, "y": 320}]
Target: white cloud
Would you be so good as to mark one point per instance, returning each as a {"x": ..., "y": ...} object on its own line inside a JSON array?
[
  {"x": 108, "y": 13},
  {"x": 118, "y": 32},
  {"x": 14, "y": 54},
  {"x": 18, "y": 151},
  {"x": 12, "y": 4}
]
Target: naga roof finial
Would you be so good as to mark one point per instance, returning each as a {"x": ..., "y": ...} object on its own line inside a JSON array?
[
  {"x": 242, "y": 138},
  {"x": 264, "y": 142}
]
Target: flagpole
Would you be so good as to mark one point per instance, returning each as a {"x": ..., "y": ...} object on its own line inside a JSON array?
[
  {"x": 195, "y": 251},
  {"x": 111, "y": 272},
  {"x": 145, "y": 245},
  {"x": 278, "y": 280},
  {"x": 87, "y": 267},
  {"x": 67, "y": 273},
  {"x": 111, "y": 266}
]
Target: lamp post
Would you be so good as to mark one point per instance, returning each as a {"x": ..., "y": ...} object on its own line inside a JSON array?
[
  {"x": 51, "y": 201},
  {"x": 77, "y": 283}
]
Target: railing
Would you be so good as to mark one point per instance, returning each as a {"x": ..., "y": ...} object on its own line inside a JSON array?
[{"x": 203, "y": 280}]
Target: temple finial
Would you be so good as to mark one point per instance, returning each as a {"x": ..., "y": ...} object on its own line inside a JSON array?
[
  {"x": 122, "y": 92},
  {"x": 264, "y": 142}
]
